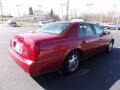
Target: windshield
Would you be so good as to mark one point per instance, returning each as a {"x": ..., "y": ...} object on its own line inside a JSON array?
[{"x": 54, "y": 28}]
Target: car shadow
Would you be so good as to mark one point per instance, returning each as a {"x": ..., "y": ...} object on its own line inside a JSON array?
[{"x": 97, "y": 73}]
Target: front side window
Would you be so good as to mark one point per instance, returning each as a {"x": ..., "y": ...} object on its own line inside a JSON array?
[
  {"x": 98, "y": 30},
  {"x": 54, "y": 28}
]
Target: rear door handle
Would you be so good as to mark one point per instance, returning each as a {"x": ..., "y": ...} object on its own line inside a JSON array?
[
  {"x": 84, "y": 42},
  {"x": 100, "y": 39}
]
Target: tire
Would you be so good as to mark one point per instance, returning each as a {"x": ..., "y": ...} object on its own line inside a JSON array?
[
  {"x": 110, "y": 46},
  {"x": 116, "y": 28},
  {"x": 72, "y": 63}
]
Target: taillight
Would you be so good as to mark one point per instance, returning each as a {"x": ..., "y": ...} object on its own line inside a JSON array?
[
  {"x": 31, "y": 53},
  {"x": 26, "y": 51},
  {"x": 26, "y": 48},
  {"x": 35, "y": 53}
]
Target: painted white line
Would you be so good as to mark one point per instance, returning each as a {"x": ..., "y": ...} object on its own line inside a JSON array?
[
  {"x": 15, "y": 31},
  {"x": 10, "y": 31},
  {"x": 4, "y": 42},
  {"x": 117, "y": 47}
]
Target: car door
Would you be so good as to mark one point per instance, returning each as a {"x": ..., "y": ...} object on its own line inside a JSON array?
[
  {"x": 87, "y": 39},
  {"x": 103, "y": 39}
]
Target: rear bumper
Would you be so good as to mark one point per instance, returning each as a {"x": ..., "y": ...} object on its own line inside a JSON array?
[{"x": 27, "y": 65}]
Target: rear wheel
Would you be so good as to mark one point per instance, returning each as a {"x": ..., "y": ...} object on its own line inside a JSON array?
[{"x": 72, "y": 63}]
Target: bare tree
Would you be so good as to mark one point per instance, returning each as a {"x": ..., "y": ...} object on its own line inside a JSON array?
[
  {"x": 52, "y": 16},
  {"x": 31, "y": 11}
]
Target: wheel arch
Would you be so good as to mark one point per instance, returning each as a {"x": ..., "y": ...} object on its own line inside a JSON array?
[
  {"x": 79, "y": 50},
  {"x": 65, "y": 59}
]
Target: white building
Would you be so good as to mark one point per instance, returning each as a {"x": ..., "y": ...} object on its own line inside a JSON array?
[{"x": 39, "y": 15}]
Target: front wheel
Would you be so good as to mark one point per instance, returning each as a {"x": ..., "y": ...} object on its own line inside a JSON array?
[
  {"x": 72, "y": 63},
  {"x": 110, "y": 47}
]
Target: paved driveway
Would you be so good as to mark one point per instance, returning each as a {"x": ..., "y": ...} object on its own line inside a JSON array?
[{"x": 101, "y": 72}]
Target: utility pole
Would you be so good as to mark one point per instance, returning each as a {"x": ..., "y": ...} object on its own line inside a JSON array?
[
  {"x": 9, "y": 13},
  {"x": 75, "y": 15},
  {"x": 67, "y": 12},
  {"x": 89, "y": 5},
  {"x": 62, "y": 4},
  {"x": 114, "y": 9},
  {"x": 118, "y": 20},
  {"x": 18, "y": 6},
  {"x": 40, "y": 6},
  {"x": 1, "y": 10},
  {"x": 40, "y": 13},
  {"x": 118, "y": 16}
]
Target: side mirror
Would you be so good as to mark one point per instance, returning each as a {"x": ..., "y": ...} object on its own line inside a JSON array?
[{"x": 106, "y": 33}]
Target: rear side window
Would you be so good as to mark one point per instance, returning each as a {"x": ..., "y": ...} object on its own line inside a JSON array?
[
  {"x": 98, "y": 29},
  {"x": 81, "y": 32},
  {"x": 85, "y": 30},
  {"x": 54, "y": 28}
]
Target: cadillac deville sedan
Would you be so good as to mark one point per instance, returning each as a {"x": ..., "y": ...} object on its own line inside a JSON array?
[{"x": 59, "y": 46}]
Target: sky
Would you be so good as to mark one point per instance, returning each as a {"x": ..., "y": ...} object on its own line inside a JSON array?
[{"x": 81, "y": 6}]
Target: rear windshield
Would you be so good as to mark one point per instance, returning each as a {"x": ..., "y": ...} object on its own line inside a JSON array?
[{"x": 54, "y": 28}]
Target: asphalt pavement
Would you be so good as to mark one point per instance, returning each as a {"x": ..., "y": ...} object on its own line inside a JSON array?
[{"x": 101, "y": 72}]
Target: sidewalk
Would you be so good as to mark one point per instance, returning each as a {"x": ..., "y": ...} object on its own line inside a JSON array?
[
  {"x": 30, "y": 24},
  {"x": 1, "y": 22}
]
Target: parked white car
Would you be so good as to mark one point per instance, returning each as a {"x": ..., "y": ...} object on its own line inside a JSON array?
[{"x": 42, "y": 23}]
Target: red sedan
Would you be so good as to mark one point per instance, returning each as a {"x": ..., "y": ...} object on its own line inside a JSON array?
[{"x": 59, "y": 46}]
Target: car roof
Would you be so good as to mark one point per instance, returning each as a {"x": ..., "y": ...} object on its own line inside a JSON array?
[{"x": 73, "y": 22}]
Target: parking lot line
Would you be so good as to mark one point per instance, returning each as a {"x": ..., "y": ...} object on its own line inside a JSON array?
[{"x": 4, "y": 42}]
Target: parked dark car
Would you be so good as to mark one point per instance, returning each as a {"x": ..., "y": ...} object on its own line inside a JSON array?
[
  {"x": 14, "y": 23},
  {"x": 113, "y": 26}
]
